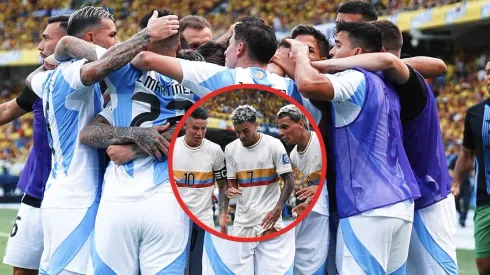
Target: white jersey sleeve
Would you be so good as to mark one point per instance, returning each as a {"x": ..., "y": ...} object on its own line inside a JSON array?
[
  {"x": 203, "y": 78},
  {"x": 230, "y": 162},
  {"x": 38, "y": 82},
  {"x": 107, "y": 113},
  {"x": 348, "y": 85},
  {"x": 349, "y": 94},
  {"x": 280, "y": 158}
]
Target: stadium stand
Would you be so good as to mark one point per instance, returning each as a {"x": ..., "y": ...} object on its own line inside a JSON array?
[{"x": 19, "y": 20}]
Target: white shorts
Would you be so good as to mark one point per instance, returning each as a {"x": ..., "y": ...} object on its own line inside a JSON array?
[
  {"x": 141, "y": 237},
  {"x": 312, "y": 240},
  {"x": 25, "y": 245},
  {"x": 372, "y": 245},
  {"x": 275, "y": 256},
  {"x": 432, "y": 246},
  {"x": 67, "y": 239}
]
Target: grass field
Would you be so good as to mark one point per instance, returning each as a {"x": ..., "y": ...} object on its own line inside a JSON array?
[{"x": 466, "y": 258}]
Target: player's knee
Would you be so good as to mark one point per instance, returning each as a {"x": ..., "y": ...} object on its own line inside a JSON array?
[
  {"x": 23, "y": 271},
  {"x": 483, "y": 266}
]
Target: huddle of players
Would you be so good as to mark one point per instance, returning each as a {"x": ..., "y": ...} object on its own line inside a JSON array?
[
  {"x": 374, "y": 174},
  {"x": 254, "y": 163}
]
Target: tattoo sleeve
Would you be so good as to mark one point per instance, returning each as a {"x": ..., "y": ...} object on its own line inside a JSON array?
[
  {"x": 99, "y": 133},
  {"x": 71, "y": 47},
  {"x": 116, "y": 57},
  {"x": 222, "y": 199},
  {"x": 287, "y": 189}
]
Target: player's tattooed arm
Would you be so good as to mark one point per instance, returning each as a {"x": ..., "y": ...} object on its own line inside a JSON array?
[
  {"x": 72, "y": 47},
  {"x": 99, "y": 133},
  {"x": 121, "y": 54},
  {"x": 271, "y": 218},
  {"x": 223, "y": 201},
  {"x": 288, "y": 188}
]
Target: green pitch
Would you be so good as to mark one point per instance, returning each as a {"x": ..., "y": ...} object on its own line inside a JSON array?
[{"x": 466, "y": 258}]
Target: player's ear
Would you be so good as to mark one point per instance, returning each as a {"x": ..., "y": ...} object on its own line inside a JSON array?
[
  {"x": 358, "y": 51},
  {"x": 241, "y": 49},
  {"x": 89, "y": 37}
]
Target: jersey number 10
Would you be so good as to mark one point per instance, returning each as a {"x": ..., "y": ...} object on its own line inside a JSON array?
[{"x": 189, "y": 179}]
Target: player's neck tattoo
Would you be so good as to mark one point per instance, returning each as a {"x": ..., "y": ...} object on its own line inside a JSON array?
[{"x": 304, "y": 141}]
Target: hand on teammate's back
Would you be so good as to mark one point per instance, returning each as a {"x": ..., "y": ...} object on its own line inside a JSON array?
[
  {"x": 163, "y": 27},
  {"x": 151, "y": 141}
]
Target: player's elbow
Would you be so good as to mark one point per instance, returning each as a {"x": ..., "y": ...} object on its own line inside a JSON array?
[
  {"x": 84, "y": 137},
  {"x": 315, "y": 89},
  {"x": 440, "y": 67},
  {"x": 143, "y": 61}
]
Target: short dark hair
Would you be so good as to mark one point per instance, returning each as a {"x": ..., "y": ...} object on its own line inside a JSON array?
[
  {"x": 183, "y": 43},
  {"x": 200, "y": 113},
  {"x": 193, "y": 22},
  {"x": 321, "y": 39},
  {"x": 365, "y": 9},
  {"x": 284, "y": 43},
  {"x": 391, "y": 35},
  {"x": 190, "y": 55},
  {"x": 250, "y": 19},
  {"x": 161, "y": 13},
  {"x": 259, "y": 38},
  {"x": 62, "y": 19},
  {"x": 361, "y": 34},
  {"x": 85, "y": 17},
  {"x": 213, "y": 52}
]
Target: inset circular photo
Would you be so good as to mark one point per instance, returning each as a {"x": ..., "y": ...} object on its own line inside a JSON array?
[{"x": 247, "y": 165}]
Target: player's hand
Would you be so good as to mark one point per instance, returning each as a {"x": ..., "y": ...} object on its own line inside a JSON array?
[
  {"x": 49, "y": 63},
  {"x": 299, "y": 209},
  {"x": 271, "y": 218},
  {"x": 307, "y": 192},
  {"x": 150, "y": 140},
  {"x": 297, "y": 48},
  {"x": 232, "y": 192},
  {"x": 121, "y": 154},
  {"x": 223, "y": 223},
  {"x": 163, "y": 27},
  {"x": 455, "y": 190}
]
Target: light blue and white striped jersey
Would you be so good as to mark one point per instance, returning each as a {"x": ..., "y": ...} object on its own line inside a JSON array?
[
  {"x": 143, "y": 99},
  {"x": 76, "y": 176},
  {"x": 203, "y": 78}
]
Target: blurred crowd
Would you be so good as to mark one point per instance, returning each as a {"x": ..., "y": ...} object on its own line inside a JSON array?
[
  {"x": 15, "y": 137},
  {"x": 267, "y": 105},
  {"x": 462, "y": 87},
  {"x": 20, "y": 19}
]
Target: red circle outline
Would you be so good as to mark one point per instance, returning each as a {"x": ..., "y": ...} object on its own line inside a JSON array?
[{"x": 174, "y": 185}]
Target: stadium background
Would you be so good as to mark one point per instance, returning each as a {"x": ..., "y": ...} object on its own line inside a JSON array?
[
  {"x": 220, "y": 129},
  {"x": 455, "y": 31}
]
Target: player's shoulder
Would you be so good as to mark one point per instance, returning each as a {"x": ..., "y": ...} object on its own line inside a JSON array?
[
  {"x": 270, "y": 139},
  {"x": 351, "y": 75},
  {"x": 211, "y": 145},
  {"x": 232, "y": 146}
]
